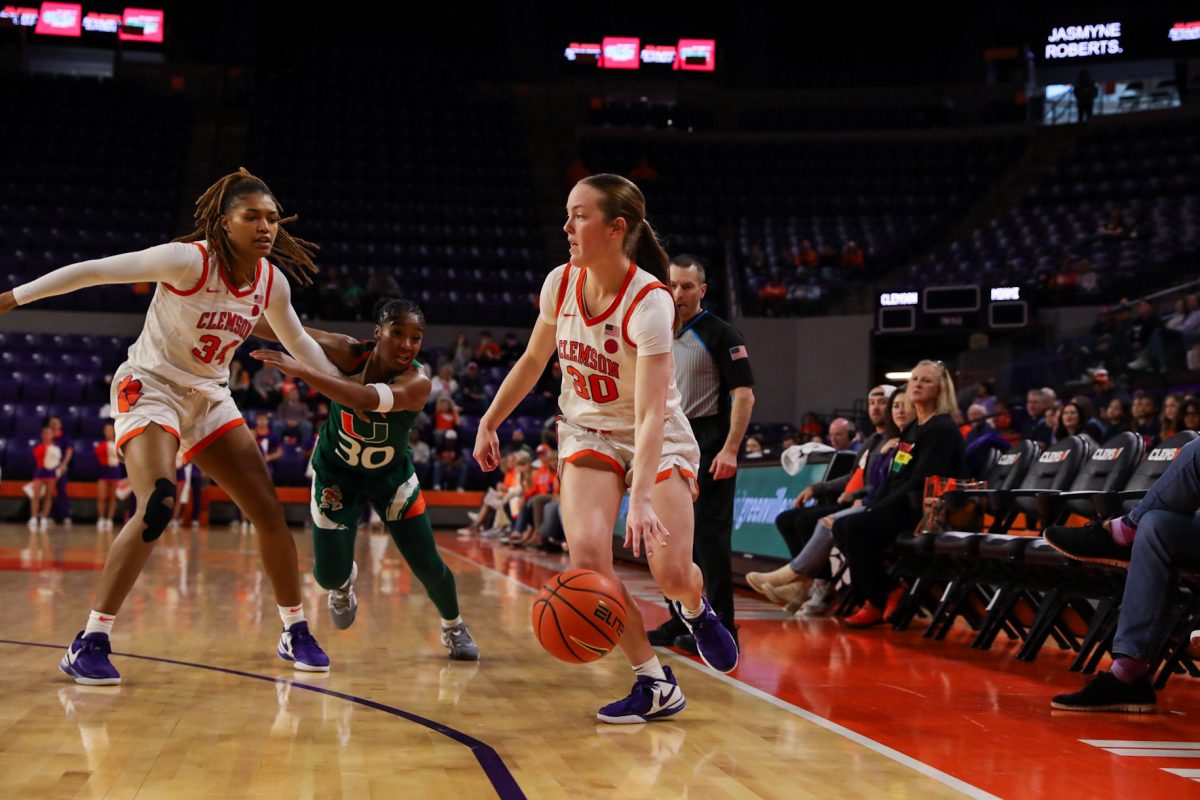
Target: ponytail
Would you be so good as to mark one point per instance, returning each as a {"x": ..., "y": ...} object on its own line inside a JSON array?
[{"x": 648, "y": 253}]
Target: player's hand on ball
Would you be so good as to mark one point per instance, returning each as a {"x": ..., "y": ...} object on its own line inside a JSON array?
[
  {"x": 487, "y": 449},
  {"x": 643, "y": 525}
]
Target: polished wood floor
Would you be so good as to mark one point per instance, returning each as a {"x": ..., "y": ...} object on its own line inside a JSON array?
[{"x": 207, "y": 709}]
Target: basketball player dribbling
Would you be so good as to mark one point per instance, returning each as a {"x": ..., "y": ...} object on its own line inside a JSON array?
[
  {"x": 172, "y": 395},
  {"x": 611, "y": 324}
]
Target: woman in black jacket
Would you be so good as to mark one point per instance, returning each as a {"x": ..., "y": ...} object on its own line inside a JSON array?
[{"x": 930, "y": 445}]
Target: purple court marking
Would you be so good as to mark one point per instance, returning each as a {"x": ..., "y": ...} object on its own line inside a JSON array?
[{"x": 501, "y": 779}]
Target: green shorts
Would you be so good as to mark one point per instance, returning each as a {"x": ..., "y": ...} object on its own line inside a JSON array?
[{"x": 337, "y": 499}]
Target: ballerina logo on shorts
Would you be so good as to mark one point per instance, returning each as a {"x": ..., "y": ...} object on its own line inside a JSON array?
[
  {"x": 129, "y": 391},
  {"x": 331, "y": 498}
]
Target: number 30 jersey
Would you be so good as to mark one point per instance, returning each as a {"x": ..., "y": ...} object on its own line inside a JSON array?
[
  {"x": 191, "y": 332},
  {"x": 598, "y": 354},
  {"x": 370, "y": 446}
]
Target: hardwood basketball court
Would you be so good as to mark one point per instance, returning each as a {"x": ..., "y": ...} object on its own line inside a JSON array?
[{"x": 207, "y": 710}]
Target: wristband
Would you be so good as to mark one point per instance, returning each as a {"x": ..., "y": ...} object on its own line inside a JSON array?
[{"x": 386, "y": 398}]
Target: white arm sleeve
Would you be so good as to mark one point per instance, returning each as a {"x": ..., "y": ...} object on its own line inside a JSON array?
[
  {"x": 291, "y": 333},
  {"x": 177, "y": 263},
  {"x": 651, "y": 326},
  {"x": 548, "y": 301}
]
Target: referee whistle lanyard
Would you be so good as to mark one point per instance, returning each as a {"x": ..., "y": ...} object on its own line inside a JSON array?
[{"x": 691, "y": 322}]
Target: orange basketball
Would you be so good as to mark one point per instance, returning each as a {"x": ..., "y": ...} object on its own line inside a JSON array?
[{"x": 579, "y": 616}]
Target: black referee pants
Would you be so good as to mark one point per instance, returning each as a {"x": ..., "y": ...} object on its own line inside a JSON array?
[{"x": 712, "y": 548}]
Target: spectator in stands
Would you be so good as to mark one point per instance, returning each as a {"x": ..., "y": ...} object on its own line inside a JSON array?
[
  {"x": 381, "y": 284},
  {"x": 1189, "y": 415},
  {"x": 753, "y": 448},
  {"x": 110, "y": 475},
  {"x": 450, "y": 470},
  {"x": 292, "y": 418},
  {"x": 1050, "y": 417},
  {"x": 1113, "y": 227},
  {"x": 841, "y": 435},
  {"x": 471, "y": 397},
  {"x": 773, "y": 295},
  {"x": 1118, "y": 416},
  {"x": 1169, "y": 421},
  {"x": 811, "y": 427},
  {"x": 1002, "y": 421},
  {"x": 977, "y": 423},
  {"x": 807, "y": 255},
  {"x": 853, "y": 259},
  {"x": 444, "y": 384},
  {"x": 930, "y": 445},
  {"x": 487, "y": 352},
  {"x": 1160, "y": 535},
  {"x": 550, "y": 384},
  {"x": 47, "y": 458},
  {"x": 517, "y": 443},
  {"x": 445, "y": 421},
  {"x": 643, "y": 171},
  {"x": 421, "y": 456},
  {"x": 809, "y": 543},
  {"x": 541, "y": 488},
  {"x": 1087, "y": 281},
  {"x": 62, "y": 500},
  {"x": 1103, "y": 390},
  {"x": 239, "y": 383},
  {"x": 1036, "y": 403},
  {"x": 460, "y": 353},
  {"x": 1145, "y": 416},
  {"x": 511, "y": 350},
  {"x": 1063, "y": 283},
  {"x": 1085, "y": 95},
  {"x": 319, "y": 416},
  {"x": 1145, "y": 328},
  {"x": 1075, "y": 420},
  {"x": 268, "y": 442},
  {"x": 267, "y": 383}
]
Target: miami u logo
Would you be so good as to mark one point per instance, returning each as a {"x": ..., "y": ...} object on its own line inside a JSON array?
[{"x": 379, "y": 430}]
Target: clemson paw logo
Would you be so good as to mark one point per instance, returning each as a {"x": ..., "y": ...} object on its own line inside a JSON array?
[
  {"x": 129, "y": 392},
  {"x": 331, "y": 499}
]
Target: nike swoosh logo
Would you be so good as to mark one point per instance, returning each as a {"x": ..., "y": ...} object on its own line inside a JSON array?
[
  {"x": 664, "y": 697},
  {"x": 568, "y": 315}
]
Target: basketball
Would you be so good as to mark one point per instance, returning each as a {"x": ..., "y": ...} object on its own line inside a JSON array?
[{"x": 579, "y": 616}]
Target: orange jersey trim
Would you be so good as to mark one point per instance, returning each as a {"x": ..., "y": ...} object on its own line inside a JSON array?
[
  {"x": 607, "y": 459},
  {"x": 253, "y": 284},
  {"x": 212, "y": 437},
  {"x": 587, "y": 318},
  {"x": 417, "y": 508},
  {"x": 138, "y": 431},
  {"x": 640, "y": 296},
  {"x": 203, "y": 275},
  {"x": 562, "y": 288},
  {"x": 270, "y": 285}
]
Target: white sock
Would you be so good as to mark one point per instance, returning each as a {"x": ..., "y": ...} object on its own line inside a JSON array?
[
  {"x": 450, "y": 623},
  {"x": 291, "y": 615},
  {"x": 99, "y": 623},
  {"x": 689, "y": 613},
  {"x": 651, "y": 669}
]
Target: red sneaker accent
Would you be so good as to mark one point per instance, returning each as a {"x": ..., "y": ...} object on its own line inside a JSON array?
[
  {"x": 893, "y": 602},
  {"x": 866, "y": 617}
]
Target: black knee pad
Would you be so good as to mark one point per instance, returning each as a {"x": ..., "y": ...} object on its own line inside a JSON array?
[{"x": 158, "y": 513}]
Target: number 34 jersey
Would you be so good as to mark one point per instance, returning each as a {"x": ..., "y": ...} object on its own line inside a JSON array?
[
  {"x": 370, "y": 447},
  {"x": 598, "y": 354},
  {"x": 191, "y": 332}
]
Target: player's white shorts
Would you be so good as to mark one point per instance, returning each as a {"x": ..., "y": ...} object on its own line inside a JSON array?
[
  {"x": 679, "y": 450},
  {"x": 196, "y": 419}
]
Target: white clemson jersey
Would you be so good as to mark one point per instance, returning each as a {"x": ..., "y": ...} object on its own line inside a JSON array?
[
  {"x": 598, "y": 354},
  {"x": 191, "y": 332}
]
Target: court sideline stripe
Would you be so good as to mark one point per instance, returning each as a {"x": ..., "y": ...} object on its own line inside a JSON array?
[
  {"x": 829, "y": 725},
  {"x": 493, "y": 766}
]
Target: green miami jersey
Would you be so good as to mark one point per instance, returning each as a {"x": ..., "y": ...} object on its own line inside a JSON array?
[{"x": 366, "y": 446}]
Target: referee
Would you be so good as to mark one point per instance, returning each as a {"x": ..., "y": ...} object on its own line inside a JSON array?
[{"x": 712, "y": 370}]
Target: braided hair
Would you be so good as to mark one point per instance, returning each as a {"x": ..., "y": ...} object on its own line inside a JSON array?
[
  {"x": 294, "y": 255},
  {"x": 394, "y": 309}
]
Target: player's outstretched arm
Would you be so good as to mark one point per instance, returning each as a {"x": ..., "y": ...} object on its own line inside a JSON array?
[
  {"x": 518, "y": 383},
  {"x": 340, "y": 348},
  {"x": 407, "y": 392},
  {"x": 177, "y": 264},
  {"x": 286, "y": 325}
]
